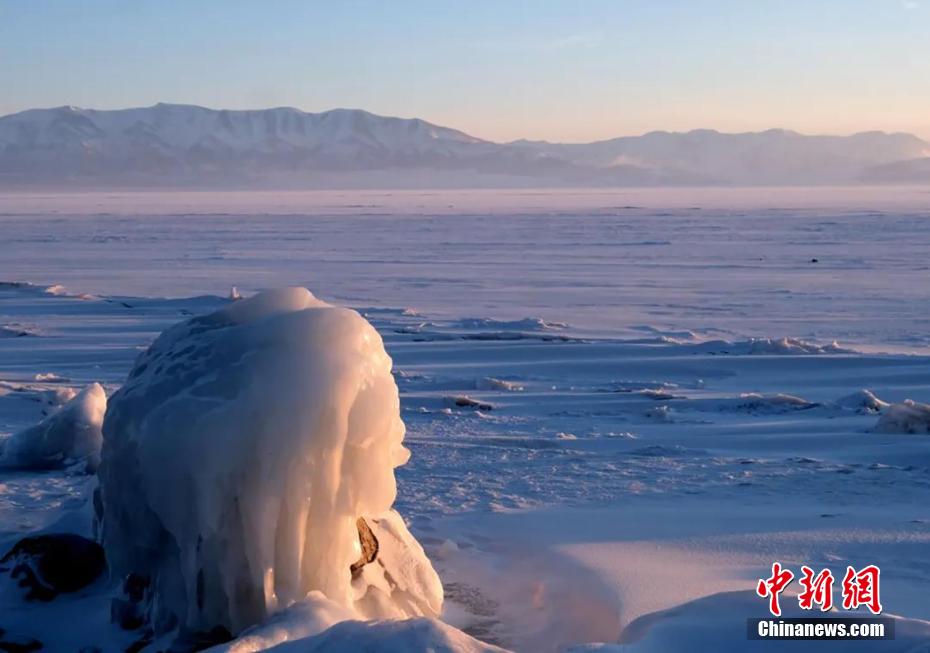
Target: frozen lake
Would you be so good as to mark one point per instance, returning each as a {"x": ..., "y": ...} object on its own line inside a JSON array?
[
  {"x": 578, "y": 371},
  {"x": 722, "y": 262}
]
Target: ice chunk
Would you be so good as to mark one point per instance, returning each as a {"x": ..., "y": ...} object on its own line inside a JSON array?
[
  {"x": 238, "y": 457},
  {"x": 69, "y": 435},
  {"x": 907, "y": 417},
  {"x": 490, "y": 383},
  {"x": 863, "y": 401}
]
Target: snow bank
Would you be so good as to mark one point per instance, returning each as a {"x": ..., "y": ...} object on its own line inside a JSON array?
[
  {"x": 240, "y": 454},
  {"x": 907, "y": 417},
  {"x": 67, "y": 436}
]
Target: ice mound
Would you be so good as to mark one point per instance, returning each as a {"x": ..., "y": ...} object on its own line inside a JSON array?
[
  {"x": 240, "y": 455},
  {"x": 67, "y": 436},
  {"x": 754, "y": 402},
  {"x": 57, "y": 290},
  {"x": 490, "y": 383},
  {"x": 862, "y": 401},
  {"x": 907, "y": 417},
  {"x": 17, "y": 330}
]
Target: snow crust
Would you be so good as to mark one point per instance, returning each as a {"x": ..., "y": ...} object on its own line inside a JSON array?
[
  {"x": 238, "y": 457},
  {"x": 67, "y": 436},
  {"x": 907, "y": 417}
]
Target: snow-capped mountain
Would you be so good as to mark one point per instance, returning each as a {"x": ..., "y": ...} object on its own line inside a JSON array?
[
  {"x": 187, "y": 144},
  {"x": 180, "y": 145}
]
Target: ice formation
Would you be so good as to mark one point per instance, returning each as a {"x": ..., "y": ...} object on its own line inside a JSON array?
[
  {"x": 70, "y": 435},
  {"x": 240, "y": 454},
  {"x": 907, "y": 417}
]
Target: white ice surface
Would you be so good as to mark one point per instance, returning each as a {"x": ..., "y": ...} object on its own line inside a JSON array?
[{"x": 726, "y": 264}]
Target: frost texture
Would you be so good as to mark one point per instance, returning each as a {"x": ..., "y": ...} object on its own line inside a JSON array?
[
  {"x": 70, "y": 435},
  {"x": 239, "y": 455},
  {"x": 907, "y": 417}
]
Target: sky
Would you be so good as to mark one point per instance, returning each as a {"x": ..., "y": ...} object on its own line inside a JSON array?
[{"x": 569, "y": 71}]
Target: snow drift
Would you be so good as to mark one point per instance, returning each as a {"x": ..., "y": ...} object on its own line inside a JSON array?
[
  {"x": 240, "y": 455},
  {"x": 67, "y": 436},
  {"x": 318, "y": 624}
]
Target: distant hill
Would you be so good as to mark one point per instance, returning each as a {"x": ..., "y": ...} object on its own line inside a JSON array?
[
  {"x": 193, "y": 147},
  {"x": 911, "y": 171}
]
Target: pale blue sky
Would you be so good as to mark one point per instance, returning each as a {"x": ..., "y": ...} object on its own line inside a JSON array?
[{"x": 504, "y": 69}]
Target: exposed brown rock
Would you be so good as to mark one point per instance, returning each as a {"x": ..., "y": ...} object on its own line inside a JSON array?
[{"x": 369, "y": 547}]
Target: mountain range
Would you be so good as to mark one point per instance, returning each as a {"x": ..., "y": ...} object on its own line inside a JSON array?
[{"x": 182, "y": 146}]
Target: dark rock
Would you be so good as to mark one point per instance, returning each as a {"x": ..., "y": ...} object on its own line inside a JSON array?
[
  {"x": 13, "y": 644},
  {"x": 55, "y": 563},
  {"x": 463, "y": 401},
  {"x": 126, "y": 615},
  {"x": 201, "y": 640},
  {"x": 129, "y": 612},
  {"x": 135, "y": 586},
  {"x": 141, "y": 643},
  {"x": 369, "y": 547}
]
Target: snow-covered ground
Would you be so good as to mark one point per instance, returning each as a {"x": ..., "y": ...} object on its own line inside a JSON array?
[{"x": 622, "y": 407}]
